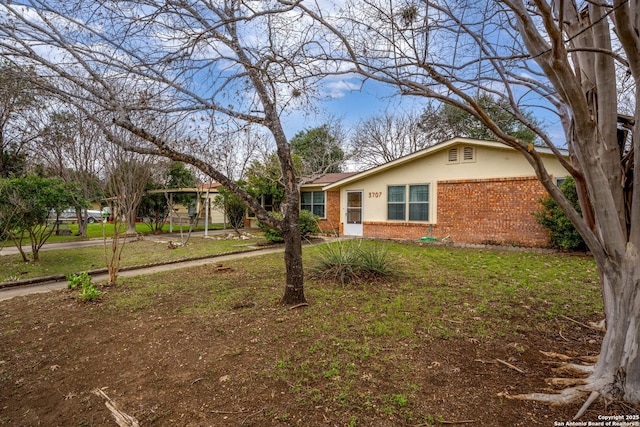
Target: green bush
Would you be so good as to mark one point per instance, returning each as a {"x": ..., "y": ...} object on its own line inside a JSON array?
[
  {"x": 562, "y": 233},
  {"x": 352, "y": 262},
  {"x": 78, "y": 280},
  {"x": 308, "y": 225},
  {"x": 88, "y": 291}
]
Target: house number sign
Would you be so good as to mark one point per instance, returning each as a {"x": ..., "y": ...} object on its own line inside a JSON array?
[{"x": 375, "y": 194}]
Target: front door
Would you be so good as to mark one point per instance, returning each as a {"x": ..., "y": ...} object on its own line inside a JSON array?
[{"x": 353, "y": 222}]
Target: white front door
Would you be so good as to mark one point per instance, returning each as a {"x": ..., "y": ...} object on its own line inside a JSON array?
[{"x": 353, "y": 221}]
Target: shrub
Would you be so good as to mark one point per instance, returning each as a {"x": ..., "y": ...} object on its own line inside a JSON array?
[
  {"x": 271, "y": 234},
  {"x": 337, "y": 262},
  {"x": 562, "y": 233},
  {"x": 374, "y": 261},
  {"x": 308, "y": 225},
  {"x": 88, "y": 291},
  {"x": 352, "y": 262},
  {"x": 78, "y": 280}
]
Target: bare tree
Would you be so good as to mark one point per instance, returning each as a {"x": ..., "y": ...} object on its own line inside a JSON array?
[
  {"x": 559, "y": 57},
  {"x": 167, "y": 62},
  {"x": 18, "y": 99},
  {"x": 380, "y": 139},
  {"x": 128, "y": 175},
  {"x": 232, "y": 147},
  {"x": 71, "y": 147}
]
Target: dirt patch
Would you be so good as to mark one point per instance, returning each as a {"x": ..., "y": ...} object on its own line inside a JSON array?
[{"x": 173, "y": 360}]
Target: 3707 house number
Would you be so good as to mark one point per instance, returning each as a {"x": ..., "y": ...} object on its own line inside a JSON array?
[{"x": 375, "y": 194}]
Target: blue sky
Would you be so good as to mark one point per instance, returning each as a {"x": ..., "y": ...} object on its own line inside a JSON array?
[
  {"x": 353, "y": 106},
  {"x": 375, "y": 99}
]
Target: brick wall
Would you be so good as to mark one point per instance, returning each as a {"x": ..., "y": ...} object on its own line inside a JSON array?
[
  {"x": 396, "y": 230},
  {"x": 496, "y": 211},
  {"x": 331, "y": 224}
]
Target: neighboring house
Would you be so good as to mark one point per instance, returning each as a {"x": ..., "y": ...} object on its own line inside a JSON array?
[
  {"x": 204, "y": 195},
  {"x": 463, "y": 189}
]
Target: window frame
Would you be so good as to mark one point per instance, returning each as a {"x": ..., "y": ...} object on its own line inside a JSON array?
[
  {"x": 396, "y": 204},
  {"x": 314, "y": 203},
  {"x": 418, "y": 203},
  {"x": 406, "y": 203}
]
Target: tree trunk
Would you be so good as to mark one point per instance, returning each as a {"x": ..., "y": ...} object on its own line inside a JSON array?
[
  {"x": 131, "y": 223},
  {"x": 294, "y": 290},
  {"x": 617, "y": 373},
  {"x": 82, "y": 224}
]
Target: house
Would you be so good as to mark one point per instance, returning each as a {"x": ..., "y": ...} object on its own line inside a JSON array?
[
  {"x": 203, "y": 196},
  {"x": 463, "y": 189},
  {"x": 325, "y": 204}
]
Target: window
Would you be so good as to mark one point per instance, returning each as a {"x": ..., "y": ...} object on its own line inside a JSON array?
[
  {"x": 417, "y": 204},
  {"x": 313, "y": 201},
  {"x": 267, "y": 202},
  {"x": 559, "y": 181},
  {"x": 396, "y": 202}
]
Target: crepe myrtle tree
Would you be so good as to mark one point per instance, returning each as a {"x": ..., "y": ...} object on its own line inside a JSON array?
[
  {"x": 563, "y": 57},
  {"x": 161, "y": 68},
  {"x": 26, "y": 208},
  {"x": 19, "y": 101}
]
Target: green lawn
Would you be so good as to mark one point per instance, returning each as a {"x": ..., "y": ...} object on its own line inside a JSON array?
[
  {"x": 70, "y": 261},
  {"x": 208, "y": 346},
  {"x": 95, "y": 231}
]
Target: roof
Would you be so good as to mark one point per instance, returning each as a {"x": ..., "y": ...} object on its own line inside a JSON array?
[
  {"x": 428, "y": 151},
  {"x": 200, "y": 188},
  {"x": 328, "y": 178}
]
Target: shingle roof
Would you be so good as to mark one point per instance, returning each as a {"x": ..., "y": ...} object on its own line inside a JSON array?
[{"x": 330, "y": 178}]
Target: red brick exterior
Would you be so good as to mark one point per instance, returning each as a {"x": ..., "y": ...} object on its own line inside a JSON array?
[
  {"x": 331, "y": 224},
  {"x": 396, "y": 230},
  {"x": 496, "y": 211}
]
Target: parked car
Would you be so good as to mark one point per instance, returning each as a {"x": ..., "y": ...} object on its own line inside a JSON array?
[{"x": 69, "y": 215}]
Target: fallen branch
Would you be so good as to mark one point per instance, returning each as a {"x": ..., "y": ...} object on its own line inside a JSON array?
[
  {"x": 251, "y": 415},
  {"x": 122, "y": 419},
  {"x": 459, "y": 422},
  {"x": 228, "y": 412},
  {"x": 509, "y": 365},
  {"x": 447, "y": 423},
  {"x": 595, "y": 328},
  {"x": 303, "y": 304},
  {"x": 486, "y": 362}
]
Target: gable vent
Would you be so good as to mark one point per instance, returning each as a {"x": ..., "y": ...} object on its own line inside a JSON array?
[
  {"x": 453, "y": 155},
  {"x": 468, "y": 154}
]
